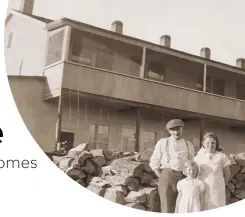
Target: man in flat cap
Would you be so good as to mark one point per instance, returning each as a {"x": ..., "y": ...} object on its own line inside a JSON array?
[{"x": 167, "y": 161}]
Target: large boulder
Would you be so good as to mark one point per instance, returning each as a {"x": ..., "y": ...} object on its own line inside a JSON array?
[
  {"x": 146, "y": 155},
  {"x": 234, "y": 170}
]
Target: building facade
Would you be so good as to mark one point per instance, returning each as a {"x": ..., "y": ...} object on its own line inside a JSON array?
[{"x": 87, "y": 84}]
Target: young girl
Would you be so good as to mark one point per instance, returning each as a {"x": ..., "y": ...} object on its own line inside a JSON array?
[{"x": 190, "y": 190}]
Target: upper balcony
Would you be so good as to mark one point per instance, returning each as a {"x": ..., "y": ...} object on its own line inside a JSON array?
[{"x": 90, "y": 63}]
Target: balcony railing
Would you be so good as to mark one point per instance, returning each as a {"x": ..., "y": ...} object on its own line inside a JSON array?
[{"x": 125, "y": 87}]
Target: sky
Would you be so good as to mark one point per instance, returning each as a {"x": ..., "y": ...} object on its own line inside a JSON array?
[{"x": 192, "y": 24}]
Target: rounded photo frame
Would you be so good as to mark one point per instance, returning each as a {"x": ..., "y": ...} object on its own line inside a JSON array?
[{"x": 126, "y": 110}]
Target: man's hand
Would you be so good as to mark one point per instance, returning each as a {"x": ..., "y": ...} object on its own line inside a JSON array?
[{"x": 157, "y": 172}]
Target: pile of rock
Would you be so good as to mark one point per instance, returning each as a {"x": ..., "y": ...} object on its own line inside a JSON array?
[
  {"x": 124, "y": 178},
  {"x": 235, "y": 189},
  {"x": 82, "y": 164},
  {"x": 128, "y": 181}
]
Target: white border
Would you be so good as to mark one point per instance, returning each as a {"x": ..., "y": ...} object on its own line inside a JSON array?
[{"x": 46, "y": 191}]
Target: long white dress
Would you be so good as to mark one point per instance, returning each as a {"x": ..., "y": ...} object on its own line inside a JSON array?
[
  {"x": 211, "y": 172},
  {"x": 190, "y": 195}
]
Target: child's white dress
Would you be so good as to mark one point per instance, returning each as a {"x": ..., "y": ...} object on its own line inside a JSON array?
[{"x": 190, "y": 195}]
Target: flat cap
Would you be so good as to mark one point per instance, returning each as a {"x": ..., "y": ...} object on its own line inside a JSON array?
[{"x": 174, "y": 123}]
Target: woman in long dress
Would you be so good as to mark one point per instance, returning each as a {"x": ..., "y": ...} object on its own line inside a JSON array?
[{"x": 214, "y": 171}]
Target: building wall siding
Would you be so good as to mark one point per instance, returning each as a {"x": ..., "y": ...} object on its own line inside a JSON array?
[
  {"x": 27, "y": 53},
  {"x": 119, "y": 86},
  {"x": 38, "y": 116},
  {"x": 40, "y": 119}
]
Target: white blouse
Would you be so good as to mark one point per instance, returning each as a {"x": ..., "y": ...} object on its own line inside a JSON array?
[{"x": 172, "y": 155}]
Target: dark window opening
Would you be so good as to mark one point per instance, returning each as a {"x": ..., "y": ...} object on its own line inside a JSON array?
[
  {"x": 135, "y": 64},
  {"x": 200, "y": 82},
  {"x": 148, "y": 139},
  {"x": 67, "y": 140},
  {"x": 128, "y": 139},
  {"x": 213, "y": 84},
  {"x": 155, "y": 71},
  {"x": 99, "y": 137},
  {"x": 240, "y": 90},
  {"x": 104, "y": 58}
]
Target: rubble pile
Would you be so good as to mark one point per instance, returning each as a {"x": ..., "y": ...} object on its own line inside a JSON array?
[
  {"x": 124, "y": 178},
  {"x": 235, "y": 189}
]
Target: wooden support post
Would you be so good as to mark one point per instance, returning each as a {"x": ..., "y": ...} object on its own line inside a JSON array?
[
  {"x": 205, "y": 78},
  {"x": 58, "y": 123},
  {"x": 96, "y": 136},
  {"x": 201, "y": 131},
  {"x": 142, "y": 69},
  {"x": 137, "y": 134},
  {"x": 66, "y": 51},
  {"x": 204, "y": 90}
]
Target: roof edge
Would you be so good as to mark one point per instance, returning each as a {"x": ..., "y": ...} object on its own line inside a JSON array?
[
  {"x": 66, "y": 21},
  {"x": 28, "y": 77},
  {"x": 18, "y": 13}
]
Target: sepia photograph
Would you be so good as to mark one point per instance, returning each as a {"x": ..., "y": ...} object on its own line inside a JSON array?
[{"x": 141, "y": 102}]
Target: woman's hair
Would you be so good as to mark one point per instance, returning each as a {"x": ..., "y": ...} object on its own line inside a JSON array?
[
  {"x": 220, "y": 149},
  {"x": 191, "y": 163},
  {"x": 212, "y": 135}
]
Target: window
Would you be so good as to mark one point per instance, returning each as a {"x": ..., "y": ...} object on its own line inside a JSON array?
[
  {"x": 67, "y": 140},
  {"x": 99, "y": 137},
  {"x": 85, "y": 56},
  {"x": 89, "y": 51},
  {"x": 10, "y": 39},
  {"x": 155, "y": 71},
  {"x": 240, "y": 90},
  {"x": 135, "y": 64},
  {"x": 200, "y": 82},
  {"x": 76, "y": 49},
  {"x": 104, "y": 58},
  {"x": 55, "y": 47},
  {"x": 128, "y": 139},
  {"x": 82, "y": 50},
  {"x": 148, "y": 139},
  {"x": 213, "y": 84},
  {"x": 218, "y": 86}
]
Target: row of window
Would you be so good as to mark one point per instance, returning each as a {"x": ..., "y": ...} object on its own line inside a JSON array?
[
  {"x": 103, "y": 54},
  {"x": 90, "y": 52},
  {"x": 217, "y": 86},
  {"x": 213, "y": 84},
  {"x": 87, "y": 51},
  {"x": 99, "y": 137}
]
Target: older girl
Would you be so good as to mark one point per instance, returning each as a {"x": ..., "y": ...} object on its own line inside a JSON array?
[
  {"x": 190, "y": 190},
  {"x": 214, "y": 171}
]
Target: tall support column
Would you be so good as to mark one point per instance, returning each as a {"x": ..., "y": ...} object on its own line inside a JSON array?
[
  {"x": 201, "y": 132},
  {"x": 142, "y": 68},
  {"x": 205, "y": 78},
  {"x": 66, "y": 51},
  {"x": 58, "y": 123},
  {"x": 137, "y": 134},
  {"x": 204, "y": 90}
]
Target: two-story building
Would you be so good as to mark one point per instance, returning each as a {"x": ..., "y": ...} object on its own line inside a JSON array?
[{"x": 80, "y": 83}]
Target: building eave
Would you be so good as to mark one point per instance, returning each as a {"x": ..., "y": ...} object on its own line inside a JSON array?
[
  {"x": 43, "y": 78},
  {"x": 12, "y": 13},
  {"x": 139, "y": 42}
]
